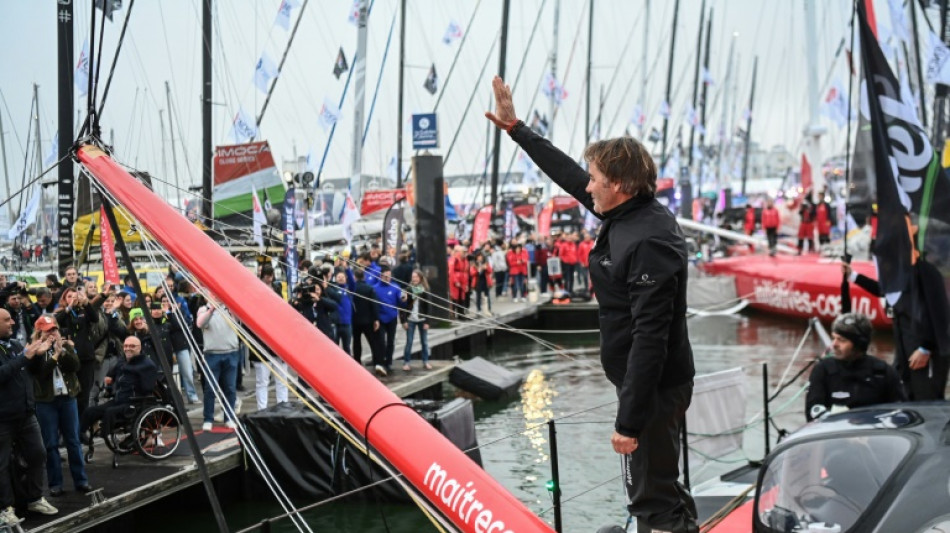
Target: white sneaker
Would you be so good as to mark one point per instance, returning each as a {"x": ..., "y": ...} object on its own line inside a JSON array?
[
  {"x": 380, "y": 371},
  {"x": 8, "y": 517},
  {"x": 42, "y": 506},
  {"x": 230, "y": 425},
  {"x": 207, "y": 426},
  {"x": 237, "y": 406}
]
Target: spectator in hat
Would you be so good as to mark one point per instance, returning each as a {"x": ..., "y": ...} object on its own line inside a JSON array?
[{"x": 55, "y": 387}]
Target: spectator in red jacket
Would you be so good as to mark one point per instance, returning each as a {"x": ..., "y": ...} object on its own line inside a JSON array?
[
  {"x": 459, "y": 281},
  {"x": 749, "y": 224},
  {"x": 770, "y": 223},
  {"x": 517, "y": 271},
  {"x": 583, "y": 260},
  {"x": 823, "y": 222},
  {"x": 566, "y": 249},
  {"x": 806, "y": 226}
]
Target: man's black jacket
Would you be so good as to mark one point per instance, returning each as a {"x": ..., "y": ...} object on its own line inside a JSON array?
[
  {"x": 133, "y": 377},
  {"x": 16, "y": 383},
  {"x": 638, "y": 268}
]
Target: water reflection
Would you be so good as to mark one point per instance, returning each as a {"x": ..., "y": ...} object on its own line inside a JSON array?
[{"x": 537, "y": 396}]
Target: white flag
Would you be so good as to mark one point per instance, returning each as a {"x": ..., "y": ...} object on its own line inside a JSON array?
[
  {"x": 330, "y": 114},
  {"x": 391, "y": 170},
  {"x": 452, "y": 33},
  {"x": 81, "y": 77},
  {"x": 259, "y": 218},
  {"x": 898, "y": 20},
  {"x": 529, "y": 173},
  {"x": 638, "y": 118},
  {"x": 552, "y": 89},
  {"x": 354, "y": 15},
  {"x": 243, "y": 127},
  {"x": 265, "y": 71},
  {"x": 665, "y": 109},
  {"x": 283, "y": 13},
  {"x": 938, "y": 62},
  {"x": 835, "y": 104},
  {"x": 26, "y": 216},
  {"x": 53, "y": 153},
  {"x": 349, "y": 215},
  {"x": 707, "y": 77}
]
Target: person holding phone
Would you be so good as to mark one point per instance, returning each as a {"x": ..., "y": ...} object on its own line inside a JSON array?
[{"x": 55, "y": 387}]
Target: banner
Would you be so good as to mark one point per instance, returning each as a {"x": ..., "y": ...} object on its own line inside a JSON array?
[
  {"x": 239, "y": 167},
  {"x": 379, "y": 199},
  {"x": 393, "y": 236},
  {"x": 481, "y": 226},
  {"x": 110, "y": 267},
  {"x": 544, "y": 219},
  {"x": 27, "y": 216},
  {"x": 290, "y": 240}
]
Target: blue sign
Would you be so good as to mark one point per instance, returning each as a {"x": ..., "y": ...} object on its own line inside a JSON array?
[{"x": 425, "y": 133}]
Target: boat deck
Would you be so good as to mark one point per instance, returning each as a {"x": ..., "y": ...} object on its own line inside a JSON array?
[{"x": 138, "y": 482}]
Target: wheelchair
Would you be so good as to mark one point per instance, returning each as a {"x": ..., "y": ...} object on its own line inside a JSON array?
[{"x": 149, "y": 427}]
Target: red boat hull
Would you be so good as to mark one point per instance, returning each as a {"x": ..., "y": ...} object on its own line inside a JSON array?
[{"x": 798, "y": 286}]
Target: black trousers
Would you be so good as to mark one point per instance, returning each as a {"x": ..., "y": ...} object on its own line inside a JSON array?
[
  {"x": 106, "y": 412},
  {"x": 651, "y": 473},
  {"x": 87, "y": 376},
  {"x": 375, "y": 340},
  {"x": 772, "y": 235},
  {"x": 25, "y": 433},
  {"x": 389, "y": 331}
]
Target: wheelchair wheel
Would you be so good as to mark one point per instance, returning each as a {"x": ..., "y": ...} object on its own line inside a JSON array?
[
  {"x": 120, "y": 441},
  {"x": 157, "y": 432}
]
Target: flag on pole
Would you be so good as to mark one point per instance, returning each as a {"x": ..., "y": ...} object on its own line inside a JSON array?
[
  {"x": 529, "y": 172},
  {"x": 354, "y": 15},
  {"x": 110, "y": 267},
  {"x": 341, "y": 65},
  {"x": 81, "y": 77},
  {"x": 552, "y": 89},
  {"x": 665, "y": 109},
  {"x": 265, "y": 71},
  {"x": 708, "y": 77},
  {"x": 452, "y": 33},
  {"x": 835, "y": 105},
  {"x": 938, "y": 62},
  {"x": 259, "y": 219},
  {"x": 898, "y": 20},
  {"x": 330, "y": 114},
  {"x": 432, "y": 81},
  {"x": 243, "y": 127},
  {"x": 53, "y": 153},
  {"x": 637, "y": 117},
  {"x": 27, "y": 216},
  {"x": 283, "y": 13},
  {"x": 348, "y": 216}
]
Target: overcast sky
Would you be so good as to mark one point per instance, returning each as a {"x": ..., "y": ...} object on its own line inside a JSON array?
[{"x": 163, "y": 44}]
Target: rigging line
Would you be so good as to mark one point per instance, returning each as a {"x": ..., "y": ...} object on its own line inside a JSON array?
[
  {"x": 15, "y": 132},
  {"x": 283, "y": 59},
  {"x": 115, "y": 59},
  {"x": 471, "y": 98},
  {"x": 517, "y": 150},
  {"x": 493, "y": 323},
  {"x": 90, "y": 103},
  {"x": 379, "y": 79},
  {"x": 570, "y": 57},
  {"x": 582, "y": 493},
  {"x": 26, "y": 153},
  {"x": 610, "y": 84},
  {"x": 445, "y": 84}
]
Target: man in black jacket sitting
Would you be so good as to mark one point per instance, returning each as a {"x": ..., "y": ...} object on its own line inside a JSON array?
[{"x": 136, "y": 376}]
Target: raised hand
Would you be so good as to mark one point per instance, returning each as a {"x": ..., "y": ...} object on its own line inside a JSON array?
[{"x": 504, "y": 116}]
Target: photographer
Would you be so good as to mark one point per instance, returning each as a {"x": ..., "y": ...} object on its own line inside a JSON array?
[
  {"x": 76, "y": 318},
  {"x": 55, "y": 387},
  {"x": 309, "y": 302},
  {"x": 14, "y": 299}
]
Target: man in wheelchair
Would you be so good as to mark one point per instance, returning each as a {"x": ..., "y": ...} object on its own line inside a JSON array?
[{"x": 136, "y": 376}]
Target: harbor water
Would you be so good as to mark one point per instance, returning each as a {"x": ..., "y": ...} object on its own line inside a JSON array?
[{"x": 567, "y": 385}]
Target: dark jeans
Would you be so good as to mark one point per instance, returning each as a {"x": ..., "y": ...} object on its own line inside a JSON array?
[
  {"x": 500, "y": 278},
  {"x": 772, "y": 235},
  {"x": 344, "y": 334},
  {"x": 423, "y": 338},
  {"x": 107, "y": 412},
  {"x": 651, "y": 473},
  {"x": 389, "y": 330},
  {"x": 25, "y": 432},
  {"x": 478, "y": 299},
  {"x": 87, "y": 376},
  {"x": 55, "y": 417},
  {"x": 374, "y": 338},
  {"x": 223, "y": 367},
  {"x": 568, "y": 269},
  {"x": 583, "y": 274}
]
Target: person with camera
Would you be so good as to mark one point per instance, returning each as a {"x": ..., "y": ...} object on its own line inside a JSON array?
[
  {"x": 15, "y": 300},
  {"x": 18, "y": 424},
  {"x": 77, "y": 317},
  {"x": 55, "y": 387}
]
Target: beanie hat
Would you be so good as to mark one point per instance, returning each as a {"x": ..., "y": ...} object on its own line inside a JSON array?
[
  {"x": 136, "y": 313},
  {"x": 855, "y": 327}
]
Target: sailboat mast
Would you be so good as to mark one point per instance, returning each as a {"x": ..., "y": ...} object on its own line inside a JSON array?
[
  {"x": 6, "y": 171},
  {"x": 359, "y": 70},
  {"x": 171, "y": 141},
  {"x": 643, "y": 73},
  {"x": 590, "y": 80},
  {"x": 402, "y": 69},
  {"x": 669, "y": 83},
  {"x": 502, "y": 59},
  {"x": 553, "y": 60},
  {"x": 814, "y": 130},
  {"x": 206, "y": 147},
  {"x": 161, "y": 126},
  {"x": 920, "y": 75},
  {"x": 748, "y": 126},
  {"x": 723, "y": 126},
  {"x": 39, "y": 156},
  {"x": 64, "y": 193},
  {"x": 699, "y": 53},
  {"x": 702, "y": 114}
]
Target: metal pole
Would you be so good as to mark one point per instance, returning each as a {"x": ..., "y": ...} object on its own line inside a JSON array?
[
  {"x": 171, "y": 139},
  {"x": 765, "y": 404},
  {"x": 590, "y": 46},
  {"x": 167, "y": 370},
  {"x": 359, "y": 70},
  {"x": 748, "y": 127},
  {"x": 702, "y": 114},
  {"x": 502, "y": 59},
  {"x": 39, "y": 163},
  {"x": 643, "y": 62},
  {"x": 65, "y": 195},
  {"x": 161, "y": 126},
  {"x": 555, "y": 477},
  {"x": 206, "y": 95},
  {"x": 920, "y": 73},
  {"x": 699, "y": 51},
  {"x": 553, "y": 60},
  {"x": 402, "y": 68},
  {"x": 6, "y": 171},
  {"x": 669, "y": 83}
]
